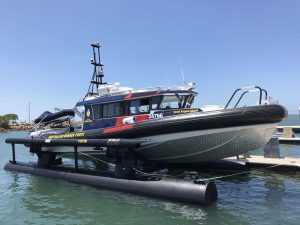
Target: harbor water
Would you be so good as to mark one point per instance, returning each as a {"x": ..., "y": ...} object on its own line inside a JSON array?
[{"x": 260, "y": 197}]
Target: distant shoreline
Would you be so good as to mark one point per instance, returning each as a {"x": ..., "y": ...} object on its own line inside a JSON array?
[
  {"x": 17, "y": 128},
  {"x": 27, "y": 127}
]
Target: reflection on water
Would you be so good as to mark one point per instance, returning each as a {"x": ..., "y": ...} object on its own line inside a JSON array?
[
  {"x": 289, "y": 150},
  {"x": 64, "y": 202}
]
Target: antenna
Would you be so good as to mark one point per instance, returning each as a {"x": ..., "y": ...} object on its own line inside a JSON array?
[
  {"x": 29, "y": 112},
  {"x": 98, "y": 70},
  {"x": 181, "y": 70},
  {"x": 165, "y": 67}
]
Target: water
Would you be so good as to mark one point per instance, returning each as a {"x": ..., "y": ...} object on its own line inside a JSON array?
[
  {"x": 291, "y": 120},
  {"x": 261, "y": 197}
]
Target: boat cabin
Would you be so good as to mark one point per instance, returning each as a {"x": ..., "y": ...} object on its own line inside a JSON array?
[
  {"x": 109, "y": 105},
  {"x": 133, "y": 106}
]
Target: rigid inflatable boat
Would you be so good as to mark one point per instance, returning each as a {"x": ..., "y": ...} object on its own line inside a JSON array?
[{"x": 162, "y": 120}]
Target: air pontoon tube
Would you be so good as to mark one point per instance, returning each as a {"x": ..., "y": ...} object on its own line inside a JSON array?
[{"x": 174, "y": 189}]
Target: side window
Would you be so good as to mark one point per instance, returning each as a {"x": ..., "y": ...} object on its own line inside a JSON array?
[
  {"x": 144, "y": 105},
  {"x": 105, "y": 110},
  {"x": 155, "y": 102},
  {"x": 97, "y": 111},
  {"x": 111, "y": 110},
  {"x": 119, "y": 109},
  {"x": 134, "y": 106},
  {"x": 139, "y": 106}
]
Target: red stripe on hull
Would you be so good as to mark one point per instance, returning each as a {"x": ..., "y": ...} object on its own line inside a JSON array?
[
  {"x": 138, "y": 118},
  {"x": 116, "y": 129},
  {"x": 141, "y": 118},
  {"x": 119, "y": 121}
]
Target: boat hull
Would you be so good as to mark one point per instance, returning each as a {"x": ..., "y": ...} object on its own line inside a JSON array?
[
  {"x": 206, "y": 145},
  {"x": 194, "y": 146}
]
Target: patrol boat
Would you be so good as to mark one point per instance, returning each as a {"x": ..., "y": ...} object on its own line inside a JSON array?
[{"x": 163, "y": 120}]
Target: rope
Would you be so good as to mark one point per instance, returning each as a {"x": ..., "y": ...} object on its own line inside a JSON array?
[
  {"x": 157, "y": 175},
  {"x": 111, "y": 164},
  {"x": 235, "y": 174},
  {"x": 183, "y": 174},
  {"x": 41, "y": 121},
  {"x": 135, "y": 169}
]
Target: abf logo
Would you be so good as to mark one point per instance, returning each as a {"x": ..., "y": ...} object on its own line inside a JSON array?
[{"x": 88, "y": 113}]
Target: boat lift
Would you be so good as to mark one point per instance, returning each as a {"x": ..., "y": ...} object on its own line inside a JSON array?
[{"x": 183, "y": 190}]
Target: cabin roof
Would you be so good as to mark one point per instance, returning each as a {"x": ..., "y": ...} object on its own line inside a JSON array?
[{"x": 133, "y": 95}]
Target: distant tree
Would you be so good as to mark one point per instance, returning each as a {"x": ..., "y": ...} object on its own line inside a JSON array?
[
  {"x": 10, "y": 116},
  {"x": 4, "y": 120}
]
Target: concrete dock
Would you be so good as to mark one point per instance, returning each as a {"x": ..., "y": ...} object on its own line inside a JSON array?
[
  {"x": 271, "y": 155},
  {"x": 255, "y": 160},
  {"x": 287, "y": 134},
  {"x": 292, "y": 140},
  {"x": 296, "y": 129}
]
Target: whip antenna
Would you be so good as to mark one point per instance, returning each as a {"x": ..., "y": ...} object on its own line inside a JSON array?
[{"x": 181, "y": 70}]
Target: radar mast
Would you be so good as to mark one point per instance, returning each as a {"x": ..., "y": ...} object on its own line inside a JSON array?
[{"x": 97, "y": 78}]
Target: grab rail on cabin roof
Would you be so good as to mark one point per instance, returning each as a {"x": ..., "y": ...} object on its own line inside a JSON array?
[
  {"x": 246, "y": 91},
  {"x": 159, "y": 88},
  {"x": 162, "y": 88}
]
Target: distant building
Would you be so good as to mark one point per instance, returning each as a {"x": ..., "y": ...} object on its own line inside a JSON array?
[{"x": 17, "y": 122}]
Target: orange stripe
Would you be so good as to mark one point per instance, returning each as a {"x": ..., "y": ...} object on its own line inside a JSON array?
[{"x": 116, "y": 129}]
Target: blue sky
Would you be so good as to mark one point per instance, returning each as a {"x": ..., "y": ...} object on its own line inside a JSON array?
[{"x": 45, "y": 48}]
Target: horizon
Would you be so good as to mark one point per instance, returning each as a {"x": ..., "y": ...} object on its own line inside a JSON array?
[{"x": 45, "y": 49}]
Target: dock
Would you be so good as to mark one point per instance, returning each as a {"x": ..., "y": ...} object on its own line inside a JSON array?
[
  {"x": 261, "y": 161},
  {"x": 296, "y": 129},
  {"x": 271, "y": 156},
  {"x": 292, "y": 140},
  {"x": 287, "y": 135}
]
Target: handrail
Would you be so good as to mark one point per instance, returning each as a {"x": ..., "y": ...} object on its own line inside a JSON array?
[
  {"x": 232, "y": 97},
  {"x": 247, "y": 90},
  {"x": 266, "y": 94}
]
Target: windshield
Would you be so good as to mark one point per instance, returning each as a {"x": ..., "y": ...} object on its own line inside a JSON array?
[{"x": 176, "y": 101}]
